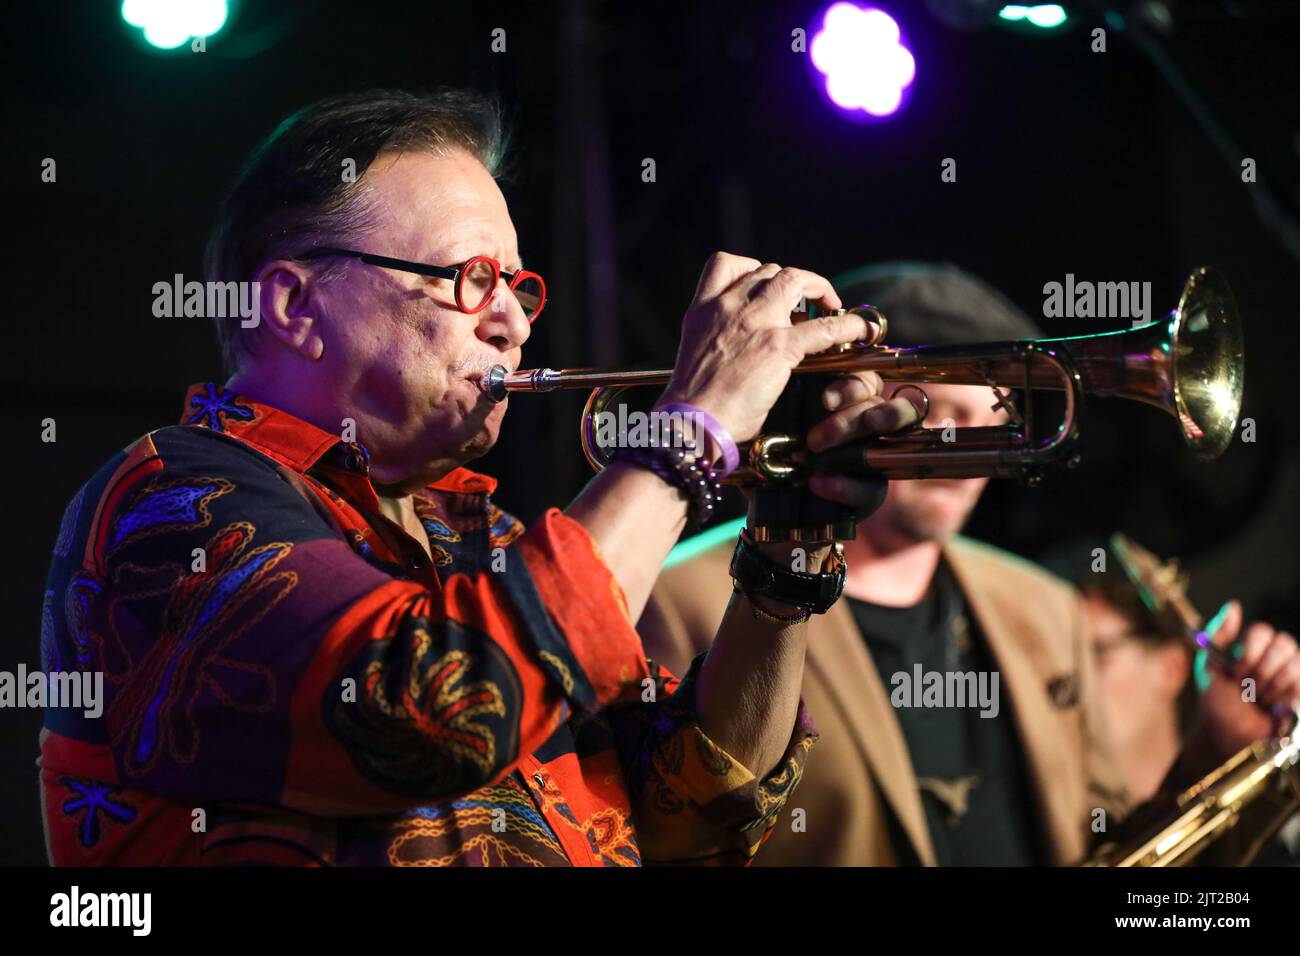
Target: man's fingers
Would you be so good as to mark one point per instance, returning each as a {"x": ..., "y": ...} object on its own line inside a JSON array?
[
  {"x": 1280, "y": 651},
  {"x": 1256, "y": 642},
  {"x": 864, "y": 497},
  {"x": 891, "y": 415},
  {"x": 840, "y": 427},
  {"x": 851, "y": 390},
  {"x": 875, "y": 416},
  {"x": 789, "y": 286},
  {"x": 818, "y": 335},
  {"x": 1284, "y": 686},
  {"x": 1231, "y": 626},
  {"x": 750, "y": 285},
  {"x": 720, "y": 272}
]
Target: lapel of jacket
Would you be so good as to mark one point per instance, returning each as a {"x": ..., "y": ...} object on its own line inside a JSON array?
[
  {"x": 839, "y": 657},
  {"x": 1025, "y": 688}
]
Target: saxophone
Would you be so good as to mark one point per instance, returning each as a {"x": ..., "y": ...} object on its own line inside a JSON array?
[{"x": 1228, "y": 816}]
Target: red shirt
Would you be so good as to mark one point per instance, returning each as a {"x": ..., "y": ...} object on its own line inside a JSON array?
[{"x": 288, "y": 678}]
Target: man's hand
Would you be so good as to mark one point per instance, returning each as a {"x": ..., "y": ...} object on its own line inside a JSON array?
[
  {"x": 739, "y": 345},
  {"x": 858, "y": 411},
  {"x": 1272, "y": 660}
]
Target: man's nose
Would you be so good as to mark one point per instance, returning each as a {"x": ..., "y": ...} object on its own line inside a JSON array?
[{"x": 503, "y": 323}]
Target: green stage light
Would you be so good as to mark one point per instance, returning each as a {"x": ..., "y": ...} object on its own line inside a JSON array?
[
  {"x": 1046, "y": 15},
  {"x": 169, "y": 23},
  {"x": 703, "y": 541}
]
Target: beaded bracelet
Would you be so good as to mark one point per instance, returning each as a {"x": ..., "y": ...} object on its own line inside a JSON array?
[{"x": 681, "y": 468}]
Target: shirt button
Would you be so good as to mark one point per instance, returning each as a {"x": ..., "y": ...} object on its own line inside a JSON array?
[
  {"x": 418, "y": 562},
  {"x": 539, "y": 780}
]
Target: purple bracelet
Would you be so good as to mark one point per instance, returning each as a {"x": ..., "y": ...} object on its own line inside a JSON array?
[{"x": 713, "y": 428}]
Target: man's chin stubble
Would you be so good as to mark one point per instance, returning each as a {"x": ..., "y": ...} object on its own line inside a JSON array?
[{"x": 920, "y": 530}]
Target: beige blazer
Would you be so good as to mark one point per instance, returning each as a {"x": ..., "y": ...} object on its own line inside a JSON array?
[{"x": 1034, "y": 624}]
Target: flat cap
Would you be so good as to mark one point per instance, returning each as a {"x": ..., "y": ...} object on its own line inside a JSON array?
[{"x": 934, "y": 303}]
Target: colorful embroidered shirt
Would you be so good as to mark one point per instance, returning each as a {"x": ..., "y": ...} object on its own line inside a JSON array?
[{"x": 288, "y": 679}]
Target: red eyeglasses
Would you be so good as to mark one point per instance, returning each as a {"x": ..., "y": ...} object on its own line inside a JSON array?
[{"x": 475, "y": 279}]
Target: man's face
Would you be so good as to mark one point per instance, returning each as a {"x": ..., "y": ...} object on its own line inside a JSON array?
[
  {"x": 935, "y": 509},
  {"x": 1139, "y": 682},
  {"x": 399, "y": 355}
]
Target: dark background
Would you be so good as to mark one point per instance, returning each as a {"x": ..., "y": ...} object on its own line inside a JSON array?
[{"x": 1068, "y": 161}]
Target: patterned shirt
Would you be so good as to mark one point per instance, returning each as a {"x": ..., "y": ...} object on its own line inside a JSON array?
[{"x": 288, "y": 679}]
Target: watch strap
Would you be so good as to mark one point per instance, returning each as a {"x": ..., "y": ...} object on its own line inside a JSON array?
[{"x": 755, "y": 573}]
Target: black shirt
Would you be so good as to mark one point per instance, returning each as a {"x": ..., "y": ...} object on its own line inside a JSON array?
[{"x": 974, "y": 786}]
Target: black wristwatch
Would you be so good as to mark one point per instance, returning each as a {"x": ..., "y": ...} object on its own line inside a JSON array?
[{"x": 757, "y": 574}]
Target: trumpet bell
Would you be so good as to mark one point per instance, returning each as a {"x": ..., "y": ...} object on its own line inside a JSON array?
[
  {"x": 1208, "y": 363},
  {"x": 1191, "y": 364}
]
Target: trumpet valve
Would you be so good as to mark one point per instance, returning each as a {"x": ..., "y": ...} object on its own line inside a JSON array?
[{"x": 876, "y": 321}]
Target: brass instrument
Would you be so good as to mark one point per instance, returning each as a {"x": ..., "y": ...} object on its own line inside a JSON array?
[
  {"x": 1189, "y": 364},
  {"x": 1163, "y": 586},
  {"x": 1227, "y": 816},
  {"x": 1250, "y": 797}
]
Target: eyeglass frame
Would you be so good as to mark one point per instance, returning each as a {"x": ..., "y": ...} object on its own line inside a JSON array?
[{"x": 453, "y": 273}]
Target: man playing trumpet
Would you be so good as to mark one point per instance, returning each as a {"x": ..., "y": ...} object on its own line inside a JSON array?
[{"x": 323, "y": 644}]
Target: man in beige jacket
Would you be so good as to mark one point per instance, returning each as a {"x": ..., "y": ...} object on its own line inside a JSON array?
[{"x": 952, "y": 685}]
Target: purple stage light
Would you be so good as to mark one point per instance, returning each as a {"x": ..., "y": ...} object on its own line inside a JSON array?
[{"x": 866, "y": 64}]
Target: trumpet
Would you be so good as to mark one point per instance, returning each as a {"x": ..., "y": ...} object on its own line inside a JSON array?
[{"x": 1190, "y": 365}]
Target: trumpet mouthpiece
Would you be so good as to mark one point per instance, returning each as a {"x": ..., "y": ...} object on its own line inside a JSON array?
[{"x": 493, "y": 383}]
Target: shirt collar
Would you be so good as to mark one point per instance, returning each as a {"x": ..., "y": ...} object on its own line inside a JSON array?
[{"x": 290, "y": 440}]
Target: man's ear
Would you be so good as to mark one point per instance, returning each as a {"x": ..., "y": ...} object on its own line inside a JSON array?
[{"x": 286, "y": 295}]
